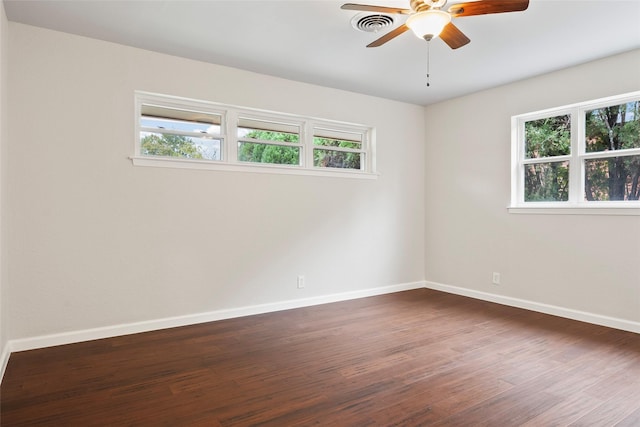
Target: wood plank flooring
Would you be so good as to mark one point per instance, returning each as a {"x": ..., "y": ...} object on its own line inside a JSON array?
[{"x": 415, "y": 358}]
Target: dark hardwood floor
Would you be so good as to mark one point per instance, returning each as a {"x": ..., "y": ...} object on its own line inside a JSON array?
[{"x": 413, "y": 358}]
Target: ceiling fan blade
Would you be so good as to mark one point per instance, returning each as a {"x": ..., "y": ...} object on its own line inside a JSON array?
[
  {"x": 452, "y": 36},
  {"x": 487, "y": 6},
  {"x": 371, "y": 8},
  {"x": 390, "y": 35}
]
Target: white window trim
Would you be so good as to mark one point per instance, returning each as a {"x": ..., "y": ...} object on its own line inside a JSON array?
[
  {"x": 576, "y": 205},
  {"x": 228, "y": 136}
]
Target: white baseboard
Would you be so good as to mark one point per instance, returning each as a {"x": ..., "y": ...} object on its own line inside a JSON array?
[
  {"x": 583, "y": 316},
  {"x": 4, "y": 360},
  {"x": 192, "y": 319}
]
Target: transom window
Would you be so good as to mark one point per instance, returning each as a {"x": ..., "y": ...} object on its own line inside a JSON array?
[
  {"x": 584, "y": 155},
  {"x": 268, "y": 141},
  {"x": 172, "y": 132},
  {"x": 333, "y": 148},
  {"x": 186, "y": 133}
]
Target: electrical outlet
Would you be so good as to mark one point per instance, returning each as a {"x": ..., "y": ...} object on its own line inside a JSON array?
[
  {"x": 496, "y": 278},
  {"x": 300, "y": 282}
]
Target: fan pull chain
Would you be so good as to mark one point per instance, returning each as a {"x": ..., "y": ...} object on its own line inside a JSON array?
[{"x": 428, "y": 60}]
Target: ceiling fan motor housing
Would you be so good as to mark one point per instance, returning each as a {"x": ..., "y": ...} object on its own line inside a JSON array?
[{"x": 420, "y": 5}]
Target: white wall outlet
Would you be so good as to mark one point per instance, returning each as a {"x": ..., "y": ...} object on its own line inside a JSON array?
[
  {"x": 496, "y": 278},
  {"x": 300, "y": 282}
]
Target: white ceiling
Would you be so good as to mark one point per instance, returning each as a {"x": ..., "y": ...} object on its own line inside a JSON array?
[{"x": 313, "y": 40}]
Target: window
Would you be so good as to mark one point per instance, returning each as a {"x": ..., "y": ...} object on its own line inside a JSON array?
[
  {"x": 185, "y": 133},
  {"x": 338, "y": 149},
  {"x": 171, "y": 132},
  {"x": 268, "y": 141},
  {"x": 581, "y": 156}
]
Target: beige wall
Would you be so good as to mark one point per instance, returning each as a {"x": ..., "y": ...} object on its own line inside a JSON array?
[
  {"x": 580, "y": 262},
  {"x": 4, "y": 61},
  {"x": 96, "y": 242}
]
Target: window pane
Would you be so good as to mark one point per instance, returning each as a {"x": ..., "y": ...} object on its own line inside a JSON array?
[
  {"x": 548, "y": 137},
  {"x": 167, "y": 145},
  {"x": 168, "y": 124},
  {"x": 267, "y": 153},
  {"x": 342, "y": 135},
  {"x": 336, "y": 159},
  {"x": 326, "y": 142},
  {"x": 268, "y": 131},
  {"x": 180, "y": 120},
  {"x": 546, "y": 182},
  {"x": 615, "y": 178},
  {"x": 613, "y": 128}
]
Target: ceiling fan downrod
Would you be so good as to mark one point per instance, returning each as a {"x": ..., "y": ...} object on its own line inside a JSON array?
[{"x": 428, "y": 60}]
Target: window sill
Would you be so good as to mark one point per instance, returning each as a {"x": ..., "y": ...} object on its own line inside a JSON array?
[
  {"x": 576, "y": 210},
  {"x": 163, "y": 162}
]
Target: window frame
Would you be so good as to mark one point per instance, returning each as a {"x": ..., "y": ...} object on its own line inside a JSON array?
[
  {"x": 229, "y": 139},
  {"x": 576, "y": 203}
]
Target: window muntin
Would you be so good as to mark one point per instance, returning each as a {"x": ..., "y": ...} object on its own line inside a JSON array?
[
  {"x": 585, "y": 155},
  {"x": 174, "y": 129}
]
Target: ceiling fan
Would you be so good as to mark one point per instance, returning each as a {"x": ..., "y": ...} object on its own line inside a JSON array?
[{"x": 427, "y": 19}]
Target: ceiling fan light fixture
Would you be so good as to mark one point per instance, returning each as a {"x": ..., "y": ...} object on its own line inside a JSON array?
[{"x": 429, "y": 23}]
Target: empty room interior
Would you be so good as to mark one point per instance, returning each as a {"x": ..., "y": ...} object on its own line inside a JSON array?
[{"x": 292, "y": 213}]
